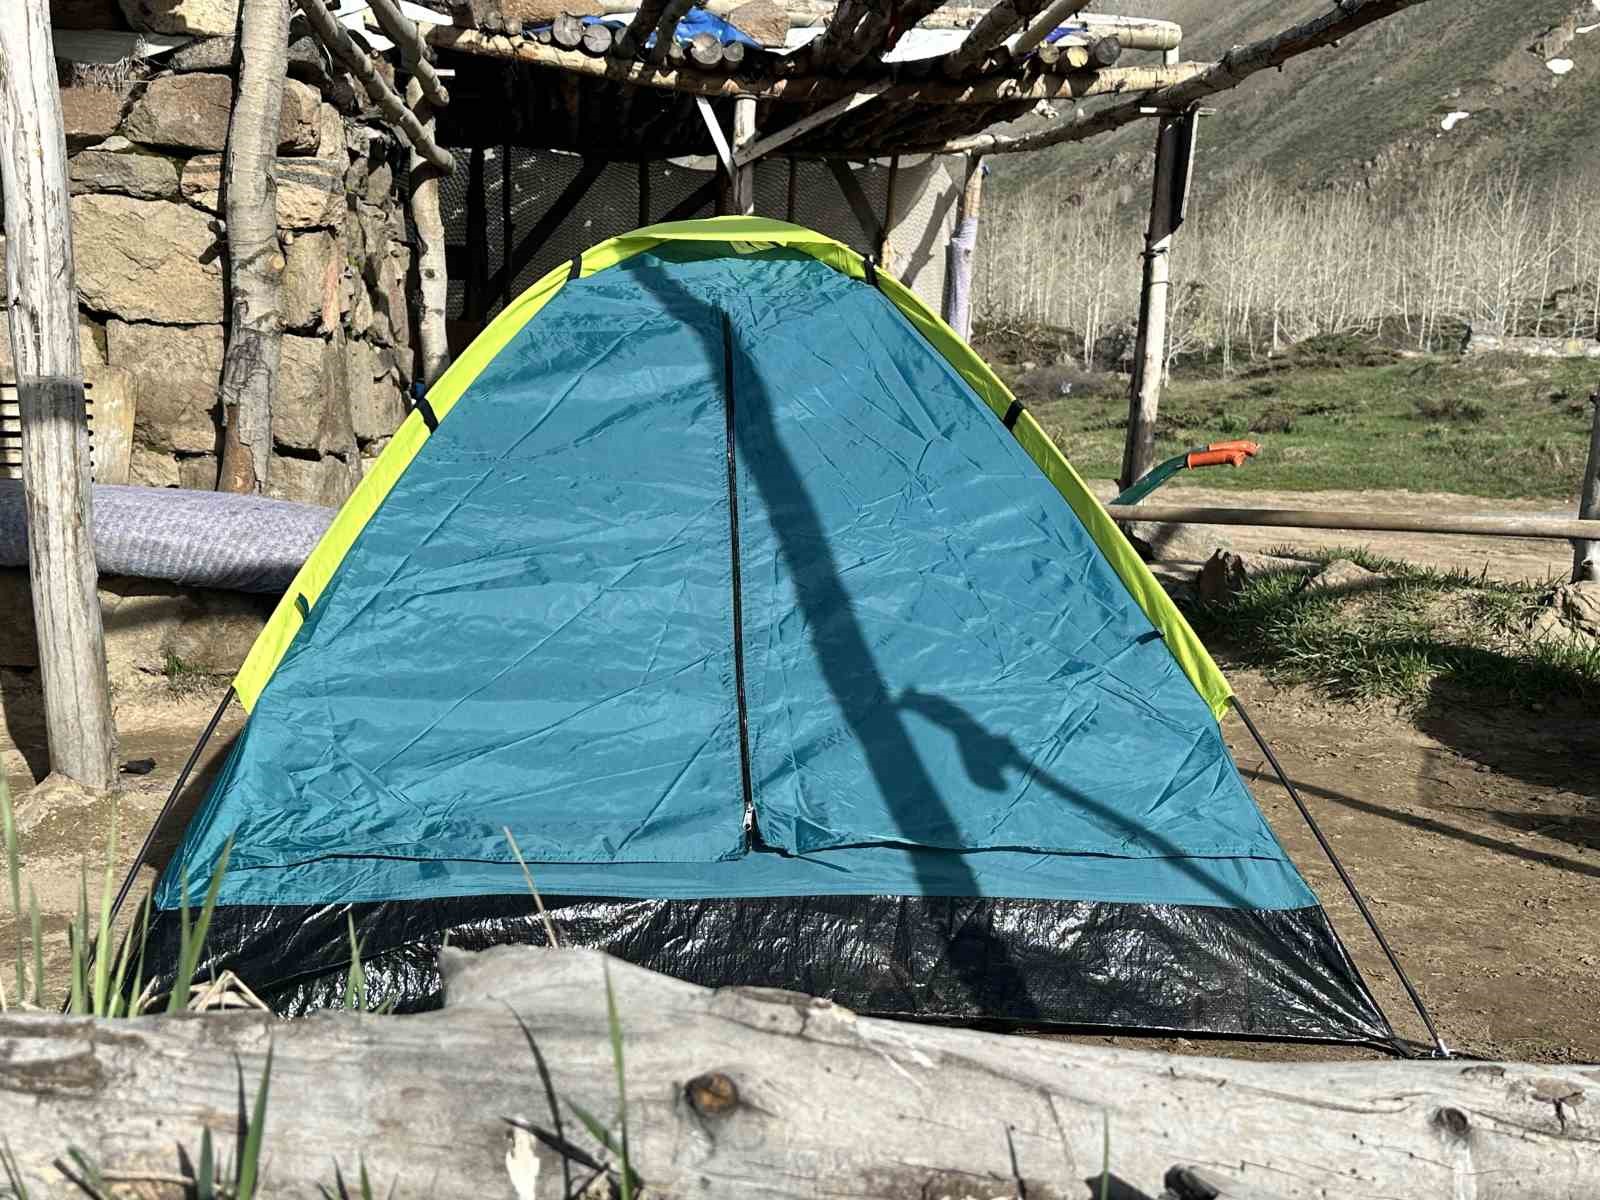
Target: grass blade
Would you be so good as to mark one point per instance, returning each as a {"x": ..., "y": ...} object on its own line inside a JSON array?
[
  {"x": 615, "y": 1027},
  {"x": 194, "y": 940},
  {"x": 8, "y": 1160},
  {"x": 102, "y": 942},
  {"x": 205, "y": 1187},
  {"x": 38, "y": 947},
  {"x": 538, "y": 900},
  {"x": 8, "y": 832},
  {"x": 630, "y": 1181},
  {"x": 549, "y": 1095},
  {"x": 250, "y": 1153},
  {"x": 78, "y": 997}
]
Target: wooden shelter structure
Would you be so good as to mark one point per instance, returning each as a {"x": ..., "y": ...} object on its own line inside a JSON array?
[{"x": 541, "y": 126}]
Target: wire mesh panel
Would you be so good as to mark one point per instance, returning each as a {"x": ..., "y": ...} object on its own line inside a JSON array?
[{"x": 561, "y": 204}]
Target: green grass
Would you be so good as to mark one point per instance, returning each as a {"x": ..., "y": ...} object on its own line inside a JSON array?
[
  {"x": 1359, "y": 419},
  {"x": 1414, "y": 632}
]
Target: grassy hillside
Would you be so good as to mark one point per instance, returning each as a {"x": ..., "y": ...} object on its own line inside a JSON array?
[{"x": 1368, "y": 112}]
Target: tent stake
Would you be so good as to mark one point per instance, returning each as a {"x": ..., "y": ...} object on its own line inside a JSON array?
[
  {"x": 172, "y": 800},
  {"x": 1440, "y": 1050}
]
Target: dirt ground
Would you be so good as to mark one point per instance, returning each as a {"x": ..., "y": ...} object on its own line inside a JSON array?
[{"x": 1473, "y": 833}]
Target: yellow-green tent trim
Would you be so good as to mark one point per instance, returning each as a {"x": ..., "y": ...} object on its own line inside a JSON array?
[{"x": 743, "y": 232}]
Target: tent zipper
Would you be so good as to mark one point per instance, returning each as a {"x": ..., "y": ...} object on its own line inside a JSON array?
[{"x": 752, "y": 835}]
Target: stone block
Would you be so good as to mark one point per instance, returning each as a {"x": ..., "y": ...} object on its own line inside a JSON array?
[
  {"x": 175, "y": 376},
  {"x": 312, "y": 412},
  {"x": 90, "y": 115},
  {"x": 91, "y": 345},
  {"x": 216, "y": 54},
  {"x": 203, "y": 18},
  {"x": 213, "y": 630},
  {"x": 152, "y": 468},
  {"x": 765, "y": 21},
  {"x": 542, "y": 12},
  {"x": 324, "y": 481},
  {"x": 198, "y": 472},
  {"x": 310, "y": 190},
  {"x": 143, "y": 176},
  {"x": 377, "y": 405},
  {"x": 311, "y": 281},
  {"x": 191, "y": 112},
  {"x": 142, "y": 260}
]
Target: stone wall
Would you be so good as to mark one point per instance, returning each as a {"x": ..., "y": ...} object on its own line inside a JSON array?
[{"x": 146, "y": 170}]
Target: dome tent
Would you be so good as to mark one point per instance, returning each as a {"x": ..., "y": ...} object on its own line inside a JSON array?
[{"x": 725, "y": 585}]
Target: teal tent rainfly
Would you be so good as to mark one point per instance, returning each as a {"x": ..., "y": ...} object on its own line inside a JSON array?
[{"x": 727, "y": 586}]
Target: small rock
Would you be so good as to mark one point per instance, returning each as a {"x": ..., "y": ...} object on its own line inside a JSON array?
[
  {"x": 310, "y": 191},
  {"x": 143, "y": 176},
  {"x": 1225, "y": 574},
  {"x": 90, "y": 115},
  {"x": 1579, "y": 605},
  {"x": 191, "y": 112}
]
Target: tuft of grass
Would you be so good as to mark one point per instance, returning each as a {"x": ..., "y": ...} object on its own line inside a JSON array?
[
  {"x": 1413, "y": 630},
  {"x": 192, "y": 936}
]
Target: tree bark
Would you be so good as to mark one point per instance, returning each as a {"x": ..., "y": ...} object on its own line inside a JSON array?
[
  {"x": 1586, "y": 554},
  {"x": 748, "y": 1093},
  {"x": 255, "y": 258},
  {"x": 50, "y": 398},
  {"x": 1150, "y": 356},
  {"x": 432, "y": 276}
]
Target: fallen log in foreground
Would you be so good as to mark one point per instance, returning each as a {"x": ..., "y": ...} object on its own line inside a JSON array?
[{"x": 750, "y": 1094}]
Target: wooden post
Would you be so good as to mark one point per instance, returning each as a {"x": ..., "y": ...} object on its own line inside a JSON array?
[
  {"x": 890, "y": 217},
  {"x": 1586, "y": 555},
  {"x": 1150, "y": 351},
  {"x": 55, "y": 436},
  {"x": 740, "y": 195},
  {"x": 255, "y": 259},
  {"x": 963, "y": 248},
  {"x": 432, "y": 275}
]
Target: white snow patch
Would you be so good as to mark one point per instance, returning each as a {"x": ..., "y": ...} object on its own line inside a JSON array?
[
  {"x": 1454, "y": 119},
  {"x": 1558, "y": 66}
]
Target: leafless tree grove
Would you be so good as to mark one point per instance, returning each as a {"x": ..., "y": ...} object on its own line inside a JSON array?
[{"x": 1258, "y": 266}]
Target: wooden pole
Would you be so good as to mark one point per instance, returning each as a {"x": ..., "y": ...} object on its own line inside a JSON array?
[
  {"x": 890, "y": 216},
  {"x": 1586, "y": 554},
  {"x": 1149, "y": 358},
  {"x": 963, "y": 250},
  {"x": 43, "y": 317},
  {"x": 413, "y": 50},
  {"x": 1375, "y": 522},
  {"x": 433, "y": 278},
  {"x": 339, "y": 43},
  {"x": 742, "y": 175},
  {"x": 255, "y": 258}
]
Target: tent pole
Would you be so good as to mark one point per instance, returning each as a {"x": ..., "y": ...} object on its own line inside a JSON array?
[
  {"x": 1440, "y": 1050},
  {"x": 172, "y": 800}
]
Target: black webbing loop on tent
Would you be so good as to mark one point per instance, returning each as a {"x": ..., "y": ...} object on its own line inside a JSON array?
[
  {"x": 1344, "y": 876},
  {"x": 871, "y": 268},
  {"x": 1013, "y": 414},
  {"x": 302, "y": 607},
  {"x": 576, "y": 269},
  {"x": 166, "y": 809},
  {"x": 429, "y": 418}
]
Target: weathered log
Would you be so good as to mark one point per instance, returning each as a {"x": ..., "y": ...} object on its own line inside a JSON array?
[
  {"x": 990, "y": 33},
  {"x": 414, "y": 51},
  {"x": 1068, "y": 55},
  {"x": 43, "y": 317},
  {"x": 567, "y": 30},
  {"x": 1104, "y": 52},
  {"x": 701, "y": 82},
  {"x": 752, "y": 1093},
  {"x": 249, "y": 389},
  {"x": 706, "y": 50},
  {"x": 733, "y": 54},
  {"x": 596, "y": 39},
  {"x": 1237, "y": 65},
  {"x": 339, "y": 43},
  {"x": 1042, "y": 26}
]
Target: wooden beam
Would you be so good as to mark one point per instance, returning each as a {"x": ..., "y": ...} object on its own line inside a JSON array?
[
  {"x": 831, "y": 111},
  {"x": 1554, "y": 528},
  {"x": 741, "y": 190},
  {"x": 43, "y": 317},
  {"x": 339, "y": 43},
  {"x": 816, "y": 88},
  {"x": 413, "y": 50},
  {"x": 1042, "y": 26},
  {"x": 988, "y": 36},
  {"x": 749, "y": 1093},
  {"x": 1237, "y": 65},
  {"x": 249, "y": 389}
]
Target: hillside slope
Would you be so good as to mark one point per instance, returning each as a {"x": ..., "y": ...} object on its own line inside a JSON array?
[{"x": 1369, "y": 112}]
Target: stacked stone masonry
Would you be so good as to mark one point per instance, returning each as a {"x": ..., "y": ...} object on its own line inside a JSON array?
[{"x": 146, "y": 172}]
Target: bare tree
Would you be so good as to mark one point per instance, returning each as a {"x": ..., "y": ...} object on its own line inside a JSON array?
[{"x": 255, "y": 259}]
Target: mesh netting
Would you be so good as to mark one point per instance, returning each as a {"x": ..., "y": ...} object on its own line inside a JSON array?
[{"x": 543, "y": 236}]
